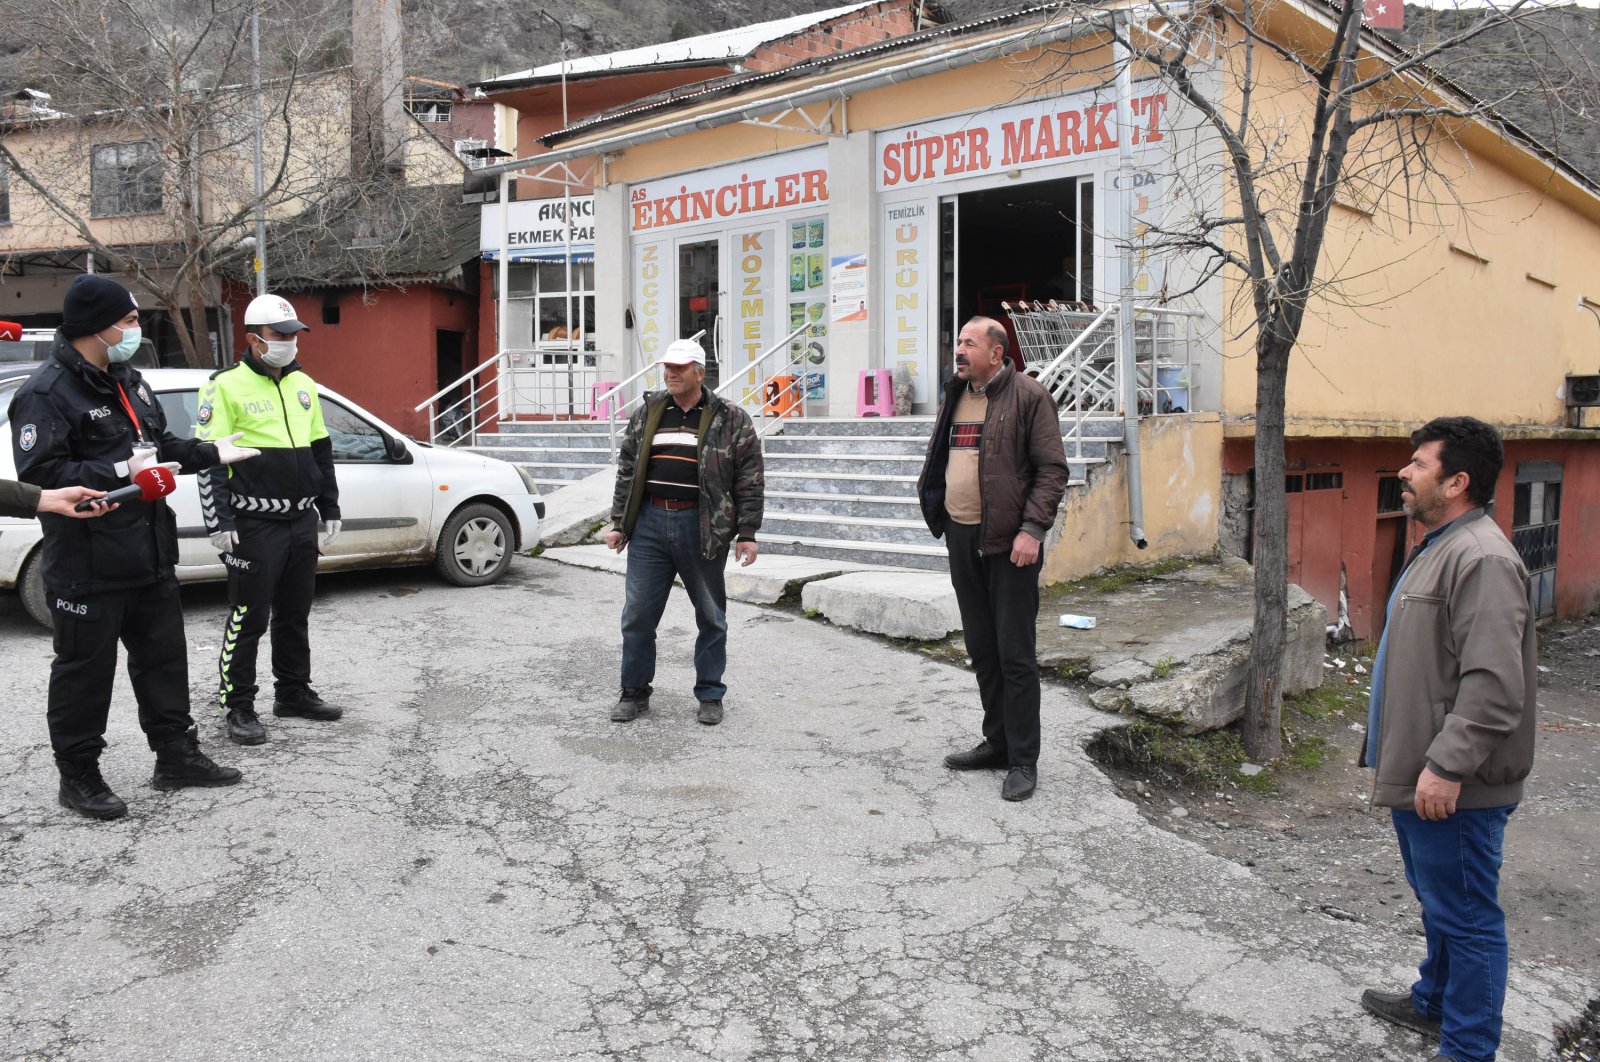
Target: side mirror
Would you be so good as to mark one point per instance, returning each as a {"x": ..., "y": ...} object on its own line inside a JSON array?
[{"x": 396, "y": 447}]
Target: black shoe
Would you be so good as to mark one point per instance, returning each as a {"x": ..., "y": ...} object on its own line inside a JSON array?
[
  {"x": 1019, "y": 784},
  {"x": 244, "y": 727},
  {"x": 632, "y": 704},
  {"x": 84, "y": 791},
  {"x": 307, "y": 705},
  {"x": 180, "y": 763},
  {"x": 710, "y": 712},
  {"x": 1398, "y": 1008},
  {"x": 976, "y": 759}
]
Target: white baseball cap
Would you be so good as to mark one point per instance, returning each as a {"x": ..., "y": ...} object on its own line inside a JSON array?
[
  {"x": 275, "y": 312},
  {"x": 683, "y": 352}
]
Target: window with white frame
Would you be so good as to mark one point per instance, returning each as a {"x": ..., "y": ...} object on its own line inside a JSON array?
[
  {"x": 471, "y": 152},
  {"x": 538, "y": 307},
  {"x": 125, "y": 179},
  {"x": 431, "y": 110}
]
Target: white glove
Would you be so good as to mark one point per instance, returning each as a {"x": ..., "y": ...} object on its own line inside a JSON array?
[
  {"x": 143, "y": 457},
  {"x": 229, "y": 451},
  {"x": 224, "y": 541},
  {"x": 331, "y": 531}
]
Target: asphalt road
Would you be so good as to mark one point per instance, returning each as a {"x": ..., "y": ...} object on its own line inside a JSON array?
[{"x": 477, "y": 864}]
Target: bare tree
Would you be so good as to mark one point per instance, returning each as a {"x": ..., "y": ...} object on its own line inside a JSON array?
[
  {"x": 144, "y": 156},
  {"x": 1367, "y": 124}
]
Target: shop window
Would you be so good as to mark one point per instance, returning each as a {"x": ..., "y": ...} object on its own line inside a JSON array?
[
  {"x": 542, "y": 315},
  {"x": 125, "y": 179}
]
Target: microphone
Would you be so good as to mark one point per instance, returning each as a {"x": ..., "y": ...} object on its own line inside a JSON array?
[
  {"x": 10, "y": 331},
  {"x": 148, "y": 484}
]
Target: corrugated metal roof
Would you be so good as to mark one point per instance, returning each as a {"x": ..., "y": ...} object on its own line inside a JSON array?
[{"x": 727, "y": 44}]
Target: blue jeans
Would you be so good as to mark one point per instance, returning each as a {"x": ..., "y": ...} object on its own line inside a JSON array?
[
  {"x": 666, "y": 543},
  {"x": 1453, "y": 865}
]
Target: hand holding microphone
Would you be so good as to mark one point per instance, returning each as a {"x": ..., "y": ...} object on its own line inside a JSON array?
[{"x": 149, "y": 484}]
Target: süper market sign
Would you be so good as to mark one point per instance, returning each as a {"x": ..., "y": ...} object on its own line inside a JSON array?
[{"x": 1023, "y": 136}]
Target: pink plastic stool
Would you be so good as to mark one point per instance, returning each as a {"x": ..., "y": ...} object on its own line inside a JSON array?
[
  {"x": 600, "y": 409},
  {"x": 875, "y": 394}
]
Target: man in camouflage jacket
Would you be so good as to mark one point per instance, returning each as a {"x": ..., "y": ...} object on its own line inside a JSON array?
[{"x": 689, "y": 482}]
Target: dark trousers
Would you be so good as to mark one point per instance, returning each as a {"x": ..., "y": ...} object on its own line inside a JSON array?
[
  {"x": 148, "y": 622},
  {"x": 999, "y": 610},
  {"x": 272, "y": 575},
  {"x": 666, "y": 544}
]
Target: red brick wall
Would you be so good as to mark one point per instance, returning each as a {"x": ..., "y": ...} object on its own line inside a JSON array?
[{"x": 858, "y": 29}]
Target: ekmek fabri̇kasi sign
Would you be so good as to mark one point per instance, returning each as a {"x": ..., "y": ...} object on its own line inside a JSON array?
[
  {"x": 535, "y": 225},
  {"x": 1019, "y": 137}
]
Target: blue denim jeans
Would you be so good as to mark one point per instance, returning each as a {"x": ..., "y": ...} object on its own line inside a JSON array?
[
  {"x": 1453, "y": 865},
  {"x": 666, "y": 543}
]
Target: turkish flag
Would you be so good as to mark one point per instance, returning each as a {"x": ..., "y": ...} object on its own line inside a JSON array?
[{"x": 1384, "y": 14}]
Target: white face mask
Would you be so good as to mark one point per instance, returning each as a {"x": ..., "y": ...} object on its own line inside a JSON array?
[
  {"x": 126, "y": 348},
  {"x": 279, "y": 352}
]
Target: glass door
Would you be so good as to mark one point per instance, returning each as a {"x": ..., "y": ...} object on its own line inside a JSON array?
[{"x": 699, "y": 288}]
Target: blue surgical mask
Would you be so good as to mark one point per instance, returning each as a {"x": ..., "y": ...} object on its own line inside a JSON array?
[{"x": 127, "y": 348}]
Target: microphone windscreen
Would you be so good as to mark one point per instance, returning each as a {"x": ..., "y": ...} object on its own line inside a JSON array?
[
  {"x": 10, "y": 331},
  {"x": 155, "y": 482}
]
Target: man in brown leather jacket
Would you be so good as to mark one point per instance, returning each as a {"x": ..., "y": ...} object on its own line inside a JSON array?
[
  {"x": 1450, "y": 733},
  {"x": 991, "y": 485},
  {"x": 24, "y": 499}
]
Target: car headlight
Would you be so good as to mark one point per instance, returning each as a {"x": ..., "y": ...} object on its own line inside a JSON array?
[{"x": 527, "y": 479}]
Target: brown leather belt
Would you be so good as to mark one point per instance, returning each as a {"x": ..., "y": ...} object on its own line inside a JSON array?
[{"x": 673, "y": 504}]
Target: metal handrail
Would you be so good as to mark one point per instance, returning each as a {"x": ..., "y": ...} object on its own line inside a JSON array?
[
  {"x": 796, "y": 385},
  {"x": 437, "y": 417},
  {"x": 613, "y": 408}
]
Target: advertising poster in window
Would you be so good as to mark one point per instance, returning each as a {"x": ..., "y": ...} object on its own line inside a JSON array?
[
  {"x": 908, "y": 275},
  {"x": 652, "y": 312},
  {"x": 755, "y": 311},
  {"x": 808, "y": 300},
  {"x": 848, "y": 278}
]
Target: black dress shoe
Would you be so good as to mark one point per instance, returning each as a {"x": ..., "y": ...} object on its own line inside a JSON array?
[
  {"x": 307, "y": 705},
  {"x": 632, "y": 704},
  {"x": 1020, "y": 783},
  {"x": 710, "y": 712},
  {"x": 1399, "y": 1008},
  {"x": 976, "y": 759}
]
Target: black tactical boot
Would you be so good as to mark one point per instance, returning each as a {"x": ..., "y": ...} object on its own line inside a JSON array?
[
  {"x": 306, "y": 704},
  {"x": 631, "y": 704},
  {"x": 84, "y": 791},
  {"x": 180, "y": 763},
  {"x": 244, "y": 727}
]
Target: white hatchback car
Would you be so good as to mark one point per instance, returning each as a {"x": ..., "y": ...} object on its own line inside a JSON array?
[{"x": 403, "y": 502}]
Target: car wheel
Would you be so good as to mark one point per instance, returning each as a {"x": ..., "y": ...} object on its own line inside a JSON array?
[
  {"x": 30, "y": 585},
  {"x": 475, "y": 547}
]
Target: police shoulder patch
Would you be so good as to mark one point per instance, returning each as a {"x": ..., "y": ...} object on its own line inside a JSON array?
[
  {"x": 26, "y": 437},
  {"x": 144, "y": 396},
  {"x": 202, "y": 416},
  {"x": 305, "y": 400}
]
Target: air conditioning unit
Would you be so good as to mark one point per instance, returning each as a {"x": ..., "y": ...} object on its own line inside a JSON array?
[{"x": 1583, "y": 392}]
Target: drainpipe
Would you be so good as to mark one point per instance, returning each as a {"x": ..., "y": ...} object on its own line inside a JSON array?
[{"x": 1127, "y": 352}]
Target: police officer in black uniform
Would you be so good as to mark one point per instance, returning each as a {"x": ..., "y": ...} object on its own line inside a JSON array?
[{"x": 86, "y": 417}]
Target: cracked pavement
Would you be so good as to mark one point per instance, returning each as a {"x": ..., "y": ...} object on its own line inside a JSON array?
[{"x": 477, "y": 864}]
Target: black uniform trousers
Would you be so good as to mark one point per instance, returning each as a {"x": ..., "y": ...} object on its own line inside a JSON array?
[
  {"x": 272, "y": 575},
  {"x": 149, "y": 623},
  {"x": 999, "y": 605}
]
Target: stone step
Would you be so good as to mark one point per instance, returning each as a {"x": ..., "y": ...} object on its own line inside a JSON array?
[
  {"x": 904, "y": 426},
  {"x": 904, "y": 531},
  {"x": 931, "y": 557},
  {"x": 547, "y": 427},
  {"x": 890, "y": 464},
  {"x": 858, "y": 506},
  {"x": 813, "y": 482},
  {"x": 572, "y": 456},
  {"x": 845, "y": 444},
  {"x": 546, "y": 441},
  {"x": 551, "y": 472}
]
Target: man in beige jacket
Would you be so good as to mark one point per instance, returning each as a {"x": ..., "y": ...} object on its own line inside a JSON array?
[{"x": 1450, "y": 733}]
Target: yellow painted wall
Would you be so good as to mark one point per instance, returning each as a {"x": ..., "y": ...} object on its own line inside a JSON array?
[
  {"x": 1182, "y": 462},
  {"x": 1449, "y": 293}
]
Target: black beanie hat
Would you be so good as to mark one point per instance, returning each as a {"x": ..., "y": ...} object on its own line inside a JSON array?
[{"x": 94, "y": 304}]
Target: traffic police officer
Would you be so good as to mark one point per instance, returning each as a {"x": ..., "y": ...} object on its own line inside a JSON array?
[
  {"x": 263, "y": 516},
  {"x": 86, "y": 417}
]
